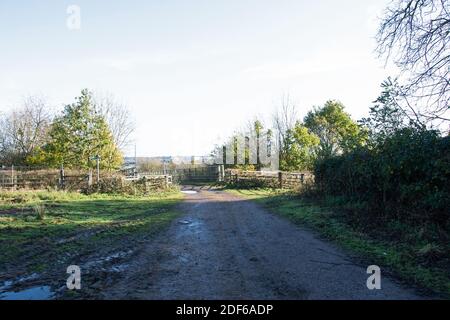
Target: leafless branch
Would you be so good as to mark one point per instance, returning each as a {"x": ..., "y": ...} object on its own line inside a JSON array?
[
  {"x": 415, "y": 34},
  {"x": 118, "y": 117}
]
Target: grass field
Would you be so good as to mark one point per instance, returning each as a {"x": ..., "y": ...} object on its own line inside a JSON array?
[
  {"x": 40, "y": 231},
  {"x": 394, "y": 246}
]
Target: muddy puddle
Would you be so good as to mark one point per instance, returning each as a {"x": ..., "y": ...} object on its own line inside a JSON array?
[
  {"x": 189, "y": 191},
  {"x": 7, "y": 291},
  {"x": 191, "y": 226},
  {"x": 194, "y": 224},
  {"x": 28, "y": 288},
  {"x": 34, "y": 293},
  {"x": 17, "y": 281},
  {"x": 100, "y": 262}
]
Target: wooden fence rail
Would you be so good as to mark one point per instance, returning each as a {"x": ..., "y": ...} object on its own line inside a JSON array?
[
  {"x": 14, "y": 178},
  {"x": 272, "y": 179}
]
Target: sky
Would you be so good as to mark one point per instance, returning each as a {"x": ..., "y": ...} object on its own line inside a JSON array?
[{"x": 192, "y": 71}]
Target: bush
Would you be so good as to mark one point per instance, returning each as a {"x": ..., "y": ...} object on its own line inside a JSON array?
[
  {"x": 251, "y": 183},
  {"x": 116, "y": 184},
  {"x": 406, "y": 176}
]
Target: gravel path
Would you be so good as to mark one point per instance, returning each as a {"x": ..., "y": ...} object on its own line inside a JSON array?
[{"x": 226, "y": 247}]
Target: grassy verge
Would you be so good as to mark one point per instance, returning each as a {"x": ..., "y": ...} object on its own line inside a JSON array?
[
  {"x": 74, "y": 225},
  {"x": 390, "y": 244}
]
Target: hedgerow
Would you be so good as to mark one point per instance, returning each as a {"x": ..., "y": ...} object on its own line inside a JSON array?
[{"x": 406, "y": 176}]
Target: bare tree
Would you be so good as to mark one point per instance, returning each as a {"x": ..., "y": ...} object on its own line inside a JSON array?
[
  {"x": 415, "y": 34},
  {"x": 118, "y": 117},
  {"x": 285, "y": 117},
  {"x": 23, "y": 130},
  {"x": 284, "y": 120},
  {"x": 5, "y": 142}
]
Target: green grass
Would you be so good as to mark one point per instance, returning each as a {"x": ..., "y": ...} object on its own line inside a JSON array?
[
  {"x": 392, "y": 245},
  {"x": 75, "y": 224}
]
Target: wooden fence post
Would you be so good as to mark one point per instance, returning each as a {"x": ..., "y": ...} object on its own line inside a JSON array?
[
  {"x": 98, "y": 169},
  {"x": 222, "y": 172},
  {"x": 62, "y": 182},
  {"x": 166, "y": 181},
  {"x": 145, "y": 185},
  {"x": 90, "y": 178},
  {"x": 280, "y": 179},
  {"x": 12, "y": 178}
]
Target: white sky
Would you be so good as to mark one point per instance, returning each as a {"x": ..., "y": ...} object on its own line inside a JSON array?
[{"x": 193, "y": 71}]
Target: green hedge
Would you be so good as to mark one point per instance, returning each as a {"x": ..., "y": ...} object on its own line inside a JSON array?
[{"x": 406, "y": 176}]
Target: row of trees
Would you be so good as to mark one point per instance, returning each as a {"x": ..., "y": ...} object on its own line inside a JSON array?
[
  {"x": 414, "y": 35},
  {"x": 390, "y": 163},
  {"x": 92, "y": 126},
  {"x": 324, "y": 132},
  {"x": 329, "y": 131}
]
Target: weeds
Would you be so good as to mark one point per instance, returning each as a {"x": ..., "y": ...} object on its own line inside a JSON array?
[{"x": 40, "y": 211}]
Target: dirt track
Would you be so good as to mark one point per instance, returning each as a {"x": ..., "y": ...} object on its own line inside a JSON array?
[{"x": 225, "y": 247}]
